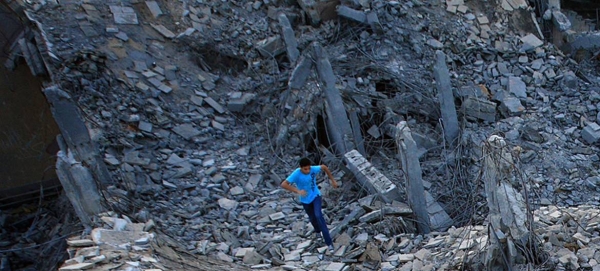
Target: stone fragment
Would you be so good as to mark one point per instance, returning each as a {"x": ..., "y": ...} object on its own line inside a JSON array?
[
  {"x": 228, "y": 204},
  {"x": 435, "y": 44},
  {"x": 145, "y": 126},
  {"x": 462, "y": 9},
  {"x": 217, "y": 125},
  {"x": 351, "y": 14},
  {"x": 186, "y": 131},
  {"x": 154, "y": 8},
  {"x": 293, "y": 255},
  {"x": 215, "y": 105},
  {"x": 480, "y": 109},
  {"x": 163, "y": 31},
  {"x": 483, "y": 19},
  {"x": 77, "y": 267},
  {"x": 591, "y": 133},
  {"x": 277, "y": 216},
  {"x": 134, "y": 159},
  {"x": 532, "y": 40},
  {"x": 239, "y": 104},
  {"x": 80, "y": 243},
  {"x": 252, "y": 257},
  {"x": 511, "y": 107},
  {"x": 174, "y": 159},
  {"x": 335, "y": 266},
  {"x": 122, "y": 36},
  {"x": 517, "y": 87},
  {"x": 271, "y": 47},
  {"x": 560, "y": 20},
  {"x": 124, "y": 15}
]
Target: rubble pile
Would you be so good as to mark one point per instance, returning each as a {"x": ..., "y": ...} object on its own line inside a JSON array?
[
  {"x": 201, "y": 108},
  {"x": 569, "y": 235}
]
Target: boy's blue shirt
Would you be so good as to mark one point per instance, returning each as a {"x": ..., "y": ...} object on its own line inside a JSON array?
[{"x": 307, "y": 182}]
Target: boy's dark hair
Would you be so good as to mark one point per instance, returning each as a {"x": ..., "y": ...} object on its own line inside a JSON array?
[{"x": 305, "y": 162}]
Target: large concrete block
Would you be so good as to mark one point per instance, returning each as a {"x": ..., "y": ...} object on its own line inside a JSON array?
[
  {"x": 370, "y": 177},
  {"x": 591, "y": 133},
  {"x": 481, "y": 109}
]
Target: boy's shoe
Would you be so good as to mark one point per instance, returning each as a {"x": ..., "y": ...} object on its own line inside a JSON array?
[
  {"x": 331, "y": 249},
  {"x": 317, "y": 236}
]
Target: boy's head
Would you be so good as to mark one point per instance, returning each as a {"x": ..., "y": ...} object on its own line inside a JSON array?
[{"x": 305, "y": 164}]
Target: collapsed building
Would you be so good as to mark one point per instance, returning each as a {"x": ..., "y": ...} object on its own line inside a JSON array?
[{"x": 178, "y": 120}]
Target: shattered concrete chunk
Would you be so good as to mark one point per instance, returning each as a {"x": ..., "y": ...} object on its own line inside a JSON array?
[
  {"x": 511, "y": 106},
  {"x": 163, "y": 31},
  {"x": 352, "y": 14},
  {"x": 517, "y": 87},
  {"x": 124, "y": 15},
  {"x": 186, "y": 131},
  {"x": 478, "y": 108},
  {"x": 215, "y": 105},
  {"x": 271, "y": 47},
  {"x": 154, "y": 8},
  {"x": 591, "y": 133},
  {"x": 229, "y": 205},
  {"x": 532, "y": 40},
  {"x": 560, "y": 20}
]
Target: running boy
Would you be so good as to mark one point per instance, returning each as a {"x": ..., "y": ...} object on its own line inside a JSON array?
[{"x": 303, "y": 181}]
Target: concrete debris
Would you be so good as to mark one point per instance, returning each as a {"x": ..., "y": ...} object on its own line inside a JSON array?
[
  {"x": 180, "y": 111},
  {"x": 319, "y": 10},
  {"x": 446, "y": 98},
  {"x": 154, "y": 8},
  {"x": 124, "y": 15},
  {"x": 560, "y": 20}
]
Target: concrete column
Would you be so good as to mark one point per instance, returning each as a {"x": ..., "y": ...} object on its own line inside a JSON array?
[
  {"x": 446, "y": 98},
  {"x": 407, "y": 150},
  {"x": 79, "y": 185},
  {"x": 287, "y": 32},
  {"x": 75, "y": 133},
  {"x": 338, "y": 124}
]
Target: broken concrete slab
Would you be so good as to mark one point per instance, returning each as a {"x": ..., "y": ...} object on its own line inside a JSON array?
[
  {"x": 154, "y": 8},
  {"x": 271, "y": 47},
  {"x": 591, "y": 133},
  {"x": 163, "y": 31},
  {"x": 124, "y": 15},
  {"x": 186, "y": 131},
  {"x": 517, "y": 87},
  {"x": 479, "y": 108},
  {"x": 532, "y": 40},
  {"x": 370, "y": 177},
  {"x": 352, "y": 14},
  {"x": 215, "y": 105},
  {"x": 511, "y": 106}
]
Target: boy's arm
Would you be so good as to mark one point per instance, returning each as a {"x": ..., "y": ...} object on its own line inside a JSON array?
[
  {"x": 289, "y": 187},
  {"x": 331, "y": 178}
]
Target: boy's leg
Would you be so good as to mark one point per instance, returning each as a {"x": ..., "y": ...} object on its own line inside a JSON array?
[
  {"x": 310, "y": 211},
  {"x": 321, "y": 220}
]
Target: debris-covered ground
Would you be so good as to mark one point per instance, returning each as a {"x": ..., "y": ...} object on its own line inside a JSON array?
[{"x": 191, "y": 107}]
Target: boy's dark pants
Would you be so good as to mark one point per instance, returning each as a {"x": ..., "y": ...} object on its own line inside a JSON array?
[{"x": 315, "y": 215}]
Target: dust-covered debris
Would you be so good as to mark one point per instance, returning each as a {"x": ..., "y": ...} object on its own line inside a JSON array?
[{"x": 200, "y": 109}]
